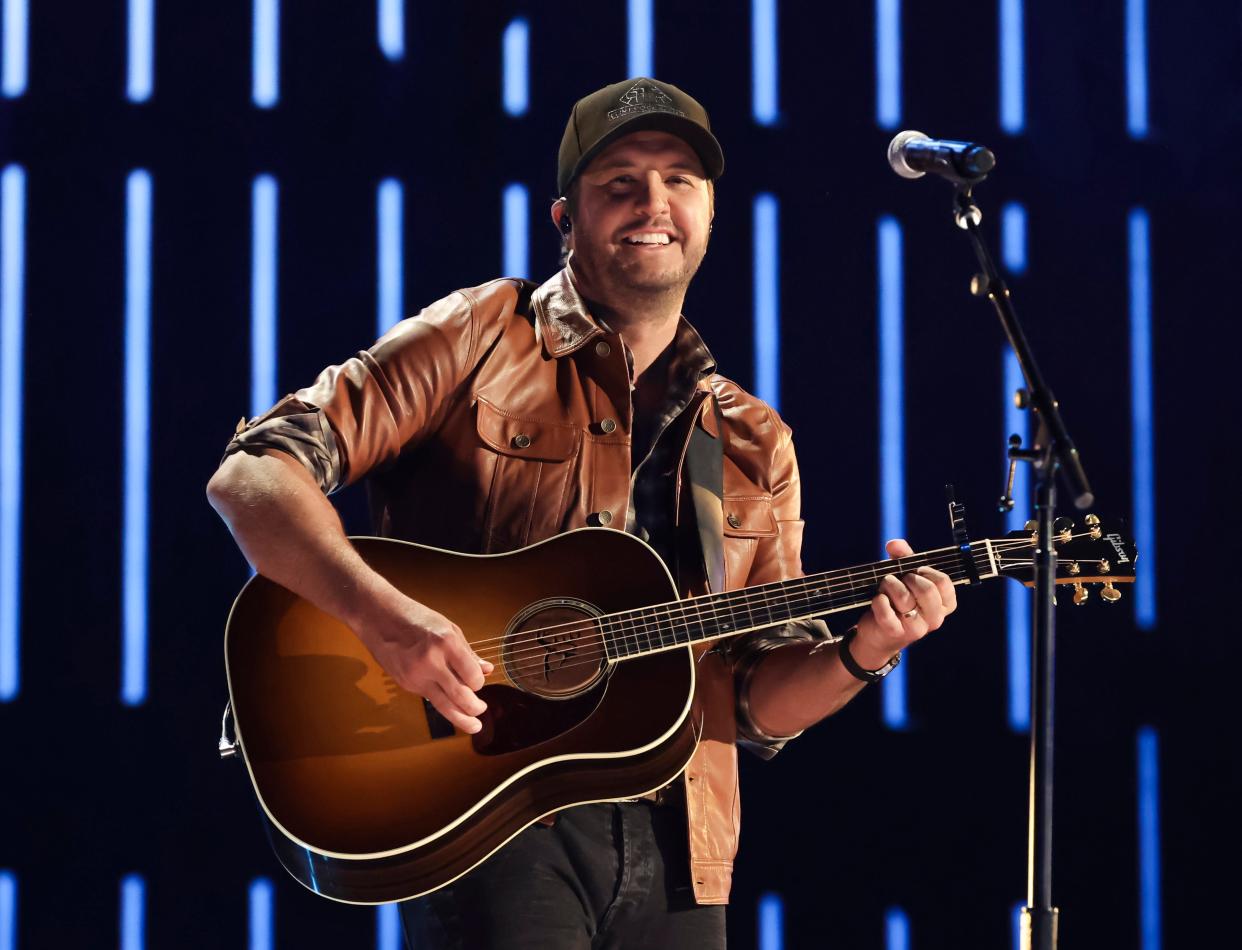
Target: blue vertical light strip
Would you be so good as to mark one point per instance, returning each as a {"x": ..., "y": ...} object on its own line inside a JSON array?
[
  {"x": 133, "y": 913},
  {"x": 516, "y": 231},
  {"x": 1012, "y": 67},
  {"x": 641, "y": 32},
  {"x": 1013, "y": 237},
  {"x": 515, "y": 67},
  {"x": 16, "y": 40},
  {"x": 262, "y": 916},
  {"x": 1018, "y": 598},
  {"x": 265, "y": 89},
  {"x": 1015, "y": 925},
  {"x": 892, "y": 425},
  {"x": 141, "y": 78},
  {"x": 12, "y": 331},
  {"x": 771, "y": 922},
  {"x": 1136, "y": 68},
  {"x": 389, "y": 214},
  {"x": 764, "y": 62},
  {"x": 136, "y": 476},
  {"x": 896, "y": 929},
  {"x": 8, "y": 910},
  {"x": 390, "y": 16},
  {"x": 767, "y": 301},
  {"x": 388, "y": 928},
  {"x": 887, "y": 63},
  {"x": 1149, "y": 839},
  {"x": 1143, "y": 437},
  {"x": 1017, "y": 421},
  {"x": 263, "y": 295}
]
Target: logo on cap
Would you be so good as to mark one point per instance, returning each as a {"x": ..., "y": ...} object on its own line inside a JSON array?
[{"x": 643, "y": 97}]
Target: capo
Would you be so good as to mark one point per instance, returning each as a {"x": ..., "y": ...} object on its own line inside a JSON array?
[{"x": 957, "y": 521}]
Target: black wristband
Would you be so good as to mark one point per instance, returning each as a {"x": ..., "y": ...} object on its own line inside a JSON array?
[{"x": 867, "y": 676}]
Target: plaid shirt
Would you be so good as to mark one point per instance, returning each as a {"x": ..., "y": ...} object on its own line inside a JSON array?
[{"x": 655, "y": 443}]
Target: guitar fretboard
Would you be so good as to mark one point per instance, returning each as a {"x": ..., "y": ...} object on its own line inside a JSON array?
[{"x": 633, "y": 633}]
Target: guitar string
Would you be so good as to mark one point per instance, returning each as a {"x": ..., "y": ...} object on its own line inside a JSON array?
[
  {"x": 730, "y": 601},
  {"x": 802, "y": 596},
  {"x": 596, "y": 657},
  {"x": 727, "y": 602},
  {"x": 951, "y": 555},
  {"x": 799, "y": 595}
]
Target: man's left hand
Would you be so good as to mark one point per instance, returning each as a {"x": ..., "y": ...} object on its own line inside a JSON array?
[{"x": 903, "y": 611}]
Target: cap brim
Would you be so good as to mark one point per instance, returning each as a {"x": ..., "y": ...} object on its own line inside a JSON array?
[{"x": 697, "y": 137}]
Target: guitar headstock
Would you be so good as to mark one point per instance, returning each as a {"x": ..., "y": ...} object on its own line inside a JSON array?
[{"x": 1093, "y": 551}]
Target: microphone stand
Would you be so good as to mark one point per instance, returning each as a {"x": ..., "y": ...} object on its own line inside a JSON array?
[{"x": 1052, "y": 452}]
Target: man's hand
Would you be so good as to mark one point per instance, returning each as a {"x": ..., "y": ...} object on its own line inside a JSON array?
[
  {"x": 290, "y": 533},
  {"x": 903, "y": 611},
  {"x": 426, "y": 653}
]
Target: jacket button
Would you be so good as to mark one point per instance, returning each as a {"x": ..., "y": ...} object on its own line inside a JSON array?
[
  {"x": 735, "y": 521},
  {"x": 605, "y": 517},
  {"x": 602, "y": 348},
  {"x": 521, "y": 440},
  {"x": 608, "y": 425}
]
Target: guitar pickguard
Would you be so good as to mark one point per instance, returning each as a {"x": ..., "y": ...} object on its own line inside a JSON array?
[{"x": 515, "y": 720}]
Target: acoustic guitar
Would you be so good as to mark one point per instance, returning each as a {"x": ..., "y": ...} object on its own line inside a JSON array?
[{"x": 370, "y": 796}]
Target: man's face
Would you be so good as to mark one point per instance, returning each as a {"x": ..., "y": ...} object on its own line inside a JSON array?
[{"x": 642, "y": 216}]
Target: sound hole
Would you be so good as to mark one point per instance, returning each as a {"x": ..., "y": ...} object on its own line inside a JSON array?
[{"x": 555, "y": 649}]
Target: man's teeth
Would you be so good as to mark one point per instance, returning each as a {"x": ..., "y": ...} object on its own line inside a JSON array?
[{"x": 647, "y": 239}]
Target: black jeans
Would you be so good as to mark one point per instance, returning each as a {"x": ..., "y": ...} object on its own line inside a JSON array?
[{"x": 604, "y": 877}]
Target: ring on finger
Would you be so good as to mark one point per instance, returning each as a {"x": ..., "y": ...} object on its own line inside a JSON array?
[{"x": 910, "y": 614}]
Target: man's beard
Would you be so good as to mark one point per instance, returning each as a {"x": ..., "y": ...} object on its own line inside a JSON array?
[{"x": 637, "y": 277}]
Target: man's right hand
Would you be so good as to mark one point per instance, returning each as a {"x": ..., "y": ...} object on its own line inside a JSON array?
[
  {"x": 426, "y": 653},
  {"x": 290, "y": 532}
]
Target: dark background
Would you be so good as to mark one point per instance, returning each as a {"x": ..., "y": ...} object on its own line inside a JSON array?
[{"x": 852, "y": 818}]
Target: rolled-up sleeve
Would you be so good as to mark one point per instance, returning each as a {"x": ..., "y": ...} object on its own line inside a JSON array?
[
  {"x": 297, "y": 429},
  {"x": 362, "y": 413}
]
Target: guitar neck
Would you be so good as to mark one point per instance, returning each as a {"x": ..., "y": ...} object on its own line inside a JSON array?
[{"x": 647, "y": 630}]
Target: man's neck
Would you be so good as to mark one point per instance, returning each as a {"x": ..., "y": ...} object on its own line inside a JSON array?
[{"x": 647, "y": 323}]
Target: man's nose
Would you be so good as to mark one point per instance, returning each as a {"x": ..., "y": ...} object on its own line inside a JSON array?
[{"x": 653, "y": 197}]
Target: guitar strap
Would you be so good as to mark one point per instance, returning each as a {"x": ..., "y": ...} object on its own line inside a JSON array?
[{"x": 705, "y": 476}]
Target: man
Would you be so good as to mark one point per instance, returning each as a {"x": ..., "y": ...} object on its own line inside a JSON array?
[{"x": 505, "y": 414}]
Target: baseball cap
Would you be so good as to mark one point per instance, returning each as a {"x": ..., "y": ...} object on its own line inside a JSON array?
[{"x": 631, "y": 106}]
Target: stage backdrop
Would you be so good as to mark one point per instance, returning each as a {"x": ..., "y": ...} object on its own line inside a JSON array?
[{"x": 204, "y": 204}]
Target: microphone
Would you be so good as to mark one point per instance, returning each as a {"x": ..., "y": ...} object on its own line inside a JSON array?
[{"x": 913, "y": 154}]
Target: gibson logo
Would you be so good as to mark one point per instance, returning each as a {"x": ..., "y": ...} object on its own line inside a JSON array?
[
  {"x": 643, "y": 97},
  {"x": 1115, "y": 541}
]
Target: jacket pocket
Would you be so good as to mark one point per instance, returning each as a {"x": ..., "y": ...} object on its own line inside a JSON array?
[
  {"x": 749, "y": 516},
  {"x": 533, "y": 461},
  {"x": 510, "y": 434},
  {"x": 747, "y": 520}
]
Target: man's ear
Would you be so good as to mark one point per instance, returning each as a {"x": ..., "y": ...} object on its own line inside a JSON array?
[{"x": 559, "y": 212}]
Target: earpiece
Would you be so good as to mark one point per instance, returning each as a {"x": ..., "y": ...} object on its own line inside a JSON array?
[{"x": 566, "y": 224}]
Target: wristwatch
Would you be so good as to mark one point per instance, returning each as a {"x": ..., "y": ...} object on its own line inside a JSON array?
[{"x": 867, "y": 676}]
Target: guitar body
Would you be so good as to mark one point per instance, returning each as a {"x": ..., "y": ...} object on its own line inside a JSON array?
[{"x": 370, "y": 796}]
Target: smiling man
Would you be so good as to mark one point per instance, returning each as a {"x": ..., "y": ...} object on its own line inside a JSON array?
[{"x": 508, "y": 413}]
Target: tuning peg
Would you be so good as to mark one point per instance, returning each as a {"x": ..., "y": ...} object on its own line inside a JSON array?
[
  {"x": 1062, "y": 527},
  {"x": 1080, "y": 594},
  {"x": 1074, "y": 567},
  {"x": 1110, "y": 593},
  {"x": 1105, "y": 567},
  {"x": 1093, "y": 526}
]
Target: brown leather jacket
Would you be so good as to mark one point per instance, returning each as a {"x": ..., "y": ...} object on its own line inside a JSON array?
[{"x": 478, "y": 423}]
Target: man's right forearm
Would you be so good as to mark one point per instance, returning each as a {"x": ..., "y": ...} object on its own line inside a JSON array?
[{"x": 291, "y": 533}]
